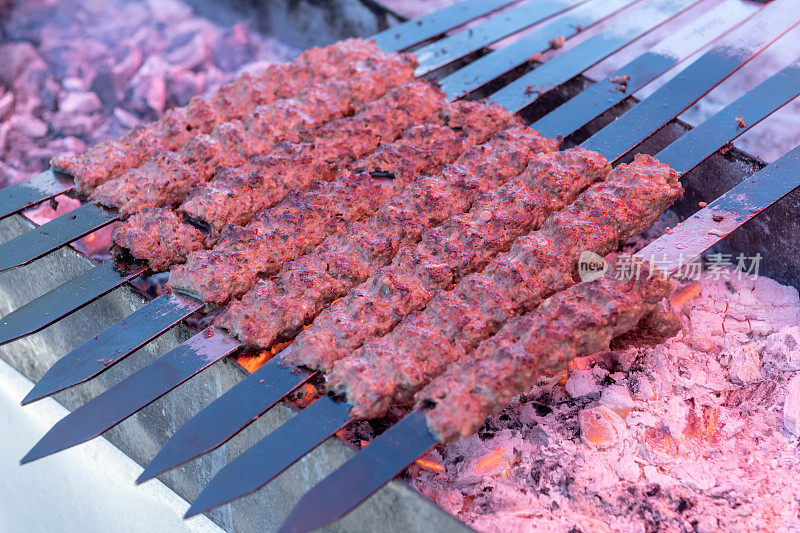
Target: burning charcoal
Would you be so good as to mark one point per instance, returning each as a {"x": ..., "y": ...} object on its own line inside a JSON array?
[
  {"x": 66, "y": 145},
  {"x": 233, "y": 47},
  {"x": 148, "y": 86},
  {"x": 127, "y": 62},
  {"x": 29, "y": 126},
  {"x": 6, "y": 105},
  {"x": 105, "y": 88},
  {"x": 5, "y": 8},
  {"x": 581, "y": 383},
  {"x": 16, "y": 58},
  {"x": 191, "y": 53},
  {"x": 782, "y": 350},
  {"x": 627, "y": 469},
  {"x": 618, "y": 399},
  {"x": 7, "y": 173},
  {"x": 791, "y": 407},
  {"x": 745, "y": 363},
  {"x": 77, "y": 125},
  {"x": 127, "y": 120},
  {"x": 183, "y": 84},
  {"x": 79, "y": 103},
  {"x": 54, "y": 66},
  {"x": 601, "y": 427}
]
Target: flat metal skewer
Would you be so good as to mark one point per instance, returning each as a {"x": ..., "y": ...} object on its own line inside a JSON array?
[
  {"x": 487, "y": 68},
  {"x": 550, "y": 75},
  {"x": 128, "y": 335},
  {"x": 53, "y": 235},
  {"x": 606, "y": 93},
  {"x": 60, "y": 301},
  {"x": 502, "y": 25},
  {"x": 32, "y": 191},
  {"x": 96, "y": 416},
  {"x": 435, "y": 24}
]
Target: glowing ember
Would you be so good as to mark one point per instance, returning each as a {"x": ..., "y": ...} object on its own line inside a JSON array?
[
  {"x": 495, "y": 462},
  {"x": 429, "y": 464},
  {"x": 683, "y": 294},
  {"x": 601, "y": 426},
  {"x": 304, "y": 396}
]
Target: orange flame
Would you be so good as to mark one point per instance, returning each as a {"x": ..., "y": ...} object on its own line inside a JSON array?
[{"x": 251, "y": 362}]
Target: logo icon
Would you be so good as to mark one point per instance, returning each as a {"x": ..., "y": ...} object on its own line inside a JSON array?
[{"x": 591, "y": 266}]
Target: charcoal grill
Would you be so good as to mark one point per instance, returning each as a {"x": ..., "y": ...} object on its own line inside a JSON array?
[{"x": 481, "y": 72}]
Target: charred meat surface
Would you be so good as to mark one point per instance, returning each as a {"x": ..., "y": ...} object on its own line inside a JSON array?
[
  {"x": 580, "y": 320},
  {"x": 446, "y": 253},
  {"x": 390, "y": 369},
  {"x": 112, "y": 158},
  {"x": 161, "y": 235},
  {"x": 276, "y": 309}
]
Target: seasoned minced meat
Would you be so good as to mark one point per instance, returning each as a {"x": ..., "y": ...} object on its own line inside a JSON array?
[
  {"x": 234, "y": 197},
  {"x": 230, "y": 143},
  {"x": 161, "y": 230},
  {"x": 277, "y": 308},
  {"x": 446, "y": 253},
  {"x": 390, "y": 369},
  {"x": 577, "y": 321},
  {"x": 304, "y": 218}
]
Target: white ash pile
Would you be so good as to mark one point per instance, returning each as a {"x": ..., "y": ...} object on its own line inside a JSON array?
[
  {"x": 697, "y": 433},
  {"x": 75, "y": 72}
]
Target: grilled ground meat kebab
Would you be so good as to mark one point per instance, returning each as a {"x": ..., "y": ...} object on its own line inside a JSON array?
[
  {"x": 111, "y": 158},
  {"x": 166, "y": 177},
  {"x": 446, "y": 253},
  {"x": 580, "y": 320},
  {"x": 275, "y": 309},
  {"x": 239, "y": 193},
  {"x": 234, "y": 197},
  {"x": 300, "y": 222},
  {"x": 390, "y": 369}
]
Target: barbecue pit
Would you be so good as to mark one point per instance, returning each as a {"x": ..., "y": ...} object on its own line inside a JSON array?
[{"x": 27, "y": 282}]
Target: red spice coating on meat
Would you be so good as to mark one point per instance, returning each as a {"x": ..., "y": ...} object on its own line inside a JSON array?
[
  {"x": 304, "y": 218},
  {"x": 446, "y": 253},
  {"x": 158, "y": 229},
  {"x": 236, "y": 194},
  {"x": 293, "y": 227},
  {"x": 112, "y": 158},
  {"x": 230, "y": 143},
  {"x": 580, "y": 320},
  {"x": 390, "y": 369},
  {"x": 277, "y": 308},
  {"x": 233, "y": 197}
]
